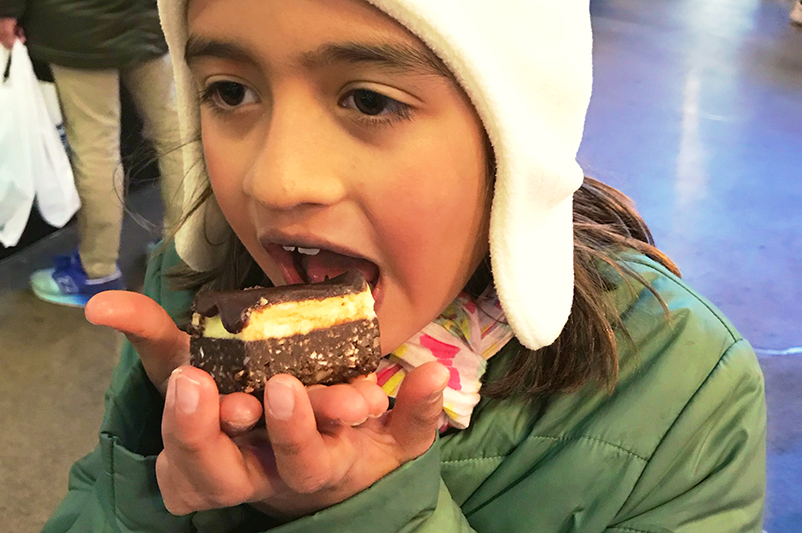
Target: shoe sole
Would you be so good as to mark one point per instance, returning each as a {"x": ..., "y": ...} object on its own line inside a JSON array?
[
  {"x": 45, "y": 288},
  {"x": 71, "y": 300}
]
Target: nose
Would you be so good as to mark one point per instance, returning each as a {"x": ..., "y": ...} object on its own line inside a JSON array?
[{"x": 301, "y": 160}]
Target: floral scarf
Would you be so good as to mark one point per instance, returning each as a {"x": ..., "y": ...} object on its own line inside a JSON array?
[{"x": 465, "y": 335}]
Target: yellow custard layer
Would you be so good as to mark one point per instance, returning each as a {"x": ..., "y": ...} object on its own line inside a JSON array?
[{"x": 294, "y": 318}]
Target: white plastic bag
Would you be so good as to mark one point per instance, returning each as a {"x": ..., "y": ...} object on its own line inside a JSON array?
[
  {"x": 32, "y": 156},
  {"x": 17, "y": 140}
]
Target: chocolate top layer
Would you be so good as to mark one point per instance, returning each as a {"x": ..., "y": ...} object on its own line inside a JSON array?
[{"x": 234, "y": 307}]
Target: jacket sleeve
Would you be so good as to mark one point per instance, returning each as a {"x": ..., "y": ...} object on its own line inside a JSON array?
[
  {"x": 114, "y": 487},
  {"x": 12, "y": 8},
  {"x": 709, "y": 471}
]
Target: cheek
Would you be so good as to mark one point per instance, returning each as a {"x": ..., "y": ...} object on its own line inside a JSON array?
[
  {"x": 431, "y": 227},
  {"x": 226, "y": 166},
  {"x": 434, "y": 209}
]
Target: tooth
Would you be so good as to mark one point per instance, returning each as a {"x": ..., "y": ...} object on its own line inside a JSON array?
[
  {"x": 289, "y": 248},
  {"x": 309, "y": 251}
]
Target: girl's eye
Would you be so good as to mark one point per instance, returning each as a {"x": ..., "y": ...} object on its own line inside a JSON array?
[
  {"x": 228, "y": 95},
  {"x": 370, "y": 103},
  {"x": 373, "y": 104}
]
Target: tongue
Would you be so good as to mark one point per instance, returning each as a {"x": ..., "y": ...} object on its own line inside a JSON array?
[{"x": 328, "y": 264}]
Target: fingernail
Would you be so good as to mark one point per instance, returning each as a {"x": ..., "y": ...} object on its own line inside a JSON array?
[
  {"x": 280, "y": 399},
  {"x": 187, "y": 393},
  {"x": 444, "y": 374}
]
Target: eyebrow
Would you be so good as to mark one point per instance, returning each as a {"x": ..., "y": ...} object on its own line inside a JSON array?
[
  {"x": 199, "y": 47},
  {"x": 392, "y": 56}
]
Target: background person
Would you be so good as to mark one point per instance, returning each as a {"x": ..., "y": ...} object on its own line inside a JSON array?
[{"x": 91, "y": 47}]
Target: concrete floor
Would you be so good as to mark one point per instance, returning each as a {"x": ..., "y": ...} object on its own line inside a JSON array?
[{"x": 696, "y": 114}]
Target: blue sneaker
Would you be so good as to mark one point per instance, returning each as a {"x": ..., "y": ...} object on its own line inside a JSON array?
[{"x": 68, "y": 284}]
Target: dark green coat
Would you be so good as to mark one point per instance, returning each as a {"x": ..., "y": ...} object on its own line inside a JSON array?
[
  {"x": 679, "y": 446},
  {"x": 91, "y": 34}
]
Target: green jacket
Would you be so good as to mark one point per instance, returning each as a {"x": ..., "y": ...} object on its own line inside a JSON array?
[
  {"x": 90, "y": 34},
  {"x": 679, "y": 446}
]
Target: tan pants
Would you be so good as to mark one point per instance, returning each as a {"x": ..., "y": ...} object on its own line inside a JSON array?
[{"x": 90, "y": 101}]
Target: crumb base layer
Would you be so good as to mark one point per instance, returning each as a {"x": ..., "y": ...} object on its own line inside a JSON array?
[{"x": 327, "y": 356}]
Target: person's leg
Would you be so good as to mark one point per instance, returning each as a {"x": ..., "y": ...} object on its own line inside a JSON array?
[
  {"x": 153, "y": 91},
  {"x": 90, "y": 101}
]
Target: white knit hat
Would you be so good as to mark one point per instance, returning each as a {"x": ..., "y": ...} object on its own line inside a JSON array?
[{"x": 526, "y": 66}]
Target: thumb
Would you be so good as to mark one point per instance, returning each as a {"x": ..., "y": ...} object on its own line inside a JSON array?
[
  {"x": 158, "y": 341},
  {"x": 414, "y": 420}
]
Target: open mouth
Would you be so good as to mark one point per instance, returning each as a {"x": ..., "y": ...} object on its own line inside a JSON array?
[{"x": 312, "y": 265}]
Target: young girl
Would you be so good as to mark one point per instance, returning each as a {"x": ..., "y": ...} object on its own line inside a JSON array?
[{"x": 431, "y": 146}]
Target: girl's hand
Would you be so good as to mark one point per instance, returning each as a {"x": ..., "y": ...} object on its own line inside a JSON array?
[{"x": 321, "y": 444}]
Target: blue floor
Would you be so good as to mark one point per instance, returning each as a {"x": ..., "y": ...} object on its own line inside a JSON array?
[{"x": 696, "y": 114}]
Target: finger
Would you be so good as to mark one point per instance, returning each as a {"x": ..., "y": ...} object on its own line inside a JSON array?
[
  {"x": 239, "y": 413},
  {"x": 339, "y": 403},
  {"x": 374, "y": 396},
  {"x": 191, "y": 410},
  {"x": 302, "y": 459},
  {"x": 158, "y": 341},
  {"x": 414, "y": 419},
  {"x": 202, "y": 467}
]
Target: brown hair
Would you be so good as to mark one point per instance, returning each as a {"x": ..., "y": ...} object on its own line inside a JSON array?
[{"x": 605, "y": 225}]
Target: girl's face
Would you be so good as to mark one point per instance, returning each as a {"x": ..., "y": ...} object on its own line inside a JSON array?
[{"x": 327, "y": 126}]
